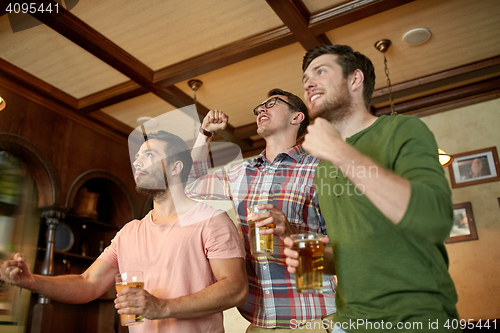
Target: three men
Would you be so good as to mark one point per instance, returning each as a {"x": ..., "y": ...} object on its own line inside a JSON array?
[{"x": 190, "y": 253}]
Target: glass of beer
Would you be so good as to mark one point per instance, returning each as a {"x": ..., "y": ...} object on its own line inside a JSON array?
[
  {"x": 261, "y": 245},
  {"x": 309, "y": 274},
  {"x": 129, "y": 279}
]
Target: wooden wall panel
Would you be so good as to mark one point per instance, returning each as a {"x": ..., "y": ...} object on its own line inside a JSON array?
[{"x": 73, "y": 147}]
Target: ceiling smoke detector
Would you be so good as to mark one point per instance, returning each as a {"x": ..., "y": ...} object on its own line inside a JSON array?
[{"x": 417, "y": 36}]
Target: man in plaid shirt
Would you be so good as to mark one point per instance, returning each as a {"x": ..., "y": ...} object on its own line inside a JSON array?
[{"x": 281, "y": 180}]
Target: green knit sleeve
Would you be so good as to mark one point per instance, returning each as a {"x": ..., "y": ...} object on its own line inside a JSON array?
[{"x": 430, "y": 212}]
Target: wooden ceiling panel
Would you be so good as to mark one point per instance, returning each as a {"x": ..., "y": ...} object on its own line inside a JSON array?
[
  {"x": 160, "y": 33},
  {"x": 52, "y": 58},
  {"x": 147, "y": 105},
  {"x": 315, "y": 6},
  {"x": 238, "y": 88},
  {"x": 467, "y": 23}
]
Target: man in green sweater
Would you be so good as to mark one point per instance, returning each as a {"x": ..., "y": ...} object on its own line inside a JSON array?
[{"x": 385, "y": 199}]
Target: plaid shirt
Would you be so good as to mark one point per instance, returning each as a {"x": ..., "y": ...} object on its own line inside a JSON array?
[{"x": 288, "y": 184}]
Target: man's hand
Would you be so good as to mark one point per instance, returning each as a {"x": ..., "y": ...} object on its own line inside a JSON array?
[
  {"x": 16, "y": 272},
  {"x": 214, "y": 121},
  {"x": 138, "y": 301},
  {"x": 322, "y": 139},
  {"x": 291, "y": 255},
  {"x": 274, "y": 216}
]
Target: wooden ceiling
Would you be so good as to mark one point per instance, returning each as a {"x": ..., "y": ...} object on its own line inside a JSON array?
[{"x": 115, "y": 61}]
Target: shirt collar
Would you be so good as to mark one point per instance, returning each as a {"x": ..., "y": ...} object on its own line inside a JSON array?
[{"x": 296, "y": 152}]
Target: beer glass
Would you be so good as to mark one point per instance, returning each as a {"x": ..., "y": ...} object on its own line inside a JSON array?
[
  {"x": 309, "y": 274},
  {"x": 129, "y": 279},
  {"x": 261, "y": 245}
]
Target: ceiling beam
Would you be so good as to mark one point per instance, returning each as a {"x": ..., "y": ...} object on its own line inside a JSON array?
[
  {"x": 295, "y": 16},
  {"x": 80, "y": 33},
  {"x": 33, "y": 83},
  {"x": 110, "y": 96},
  {"x": 270, "y": 40},
  {"x": 472, "y": 71},
  {"x": 412, "y": 106},
  {"x": 224, "y": 56},
  {"x": 350, "y": 12}
]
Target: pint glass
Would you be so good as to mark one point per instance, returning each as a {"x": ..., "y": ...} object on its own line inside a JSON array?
[
  {"x": 260, "y": 244},
  {"x": 309, "y": 274},
  {"x": 129, "y": 279}
]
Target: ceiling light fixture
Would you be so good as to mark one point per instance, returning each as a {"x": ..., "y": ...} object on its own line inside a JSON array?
[
  {"x": 383, "y": 45},
  {"x": 444, "y": 158},
  {"x": 417, "y": 36},
  {"x": 2, "y": 104},
  {"x": 195, "y": 85}
]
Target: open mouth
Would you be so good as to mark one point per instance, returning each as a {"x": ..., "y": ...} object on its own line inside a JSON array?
[
  {"x": 263, "y": 118},
  {"x": 314, "y": 97}
]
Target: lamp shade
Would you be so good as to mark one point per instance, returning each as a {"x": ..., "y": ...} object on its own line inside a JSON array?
[
  {"x": 2, "y": 104},
  {"x": 444, "y": 158}
]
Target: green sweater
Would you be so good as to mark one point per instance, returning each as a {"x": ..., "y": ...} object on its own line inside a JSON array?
[{"x": 391, "y": 272}]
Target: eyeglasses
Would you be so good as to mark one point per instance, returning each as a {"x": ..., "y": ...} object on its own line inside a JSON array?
[{"x": 272, "y": 102}]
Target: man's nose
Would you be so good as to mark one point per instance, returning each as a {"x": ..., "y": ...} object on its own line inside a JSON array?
[
  {"x": 262, "y": 108},
  {"x": 309, "y": 83},
  {"x": 137, "y": 164}
]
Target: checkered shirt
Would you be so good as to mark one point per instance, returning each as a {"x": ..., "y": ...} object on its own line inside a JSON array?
[{"x": 288, "y": 184}]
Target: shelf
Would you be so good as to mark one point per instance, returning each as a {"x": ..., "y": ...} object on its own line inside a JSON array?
[
  {"x": 69, "y": 254},
  {"x": 90, "y": 222}
]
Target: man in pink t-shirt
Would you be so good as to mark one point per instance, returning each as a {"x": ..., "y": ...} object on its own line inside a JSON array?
[{"x": 191, "y": 254}]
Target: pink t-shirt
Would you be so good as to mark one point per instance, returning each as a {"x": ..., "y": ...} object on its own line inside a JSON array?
[{"x": 174, "y": 259}]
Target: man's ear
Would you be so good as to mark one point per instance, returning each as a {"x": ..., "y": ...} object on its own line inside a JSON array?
[
  {"x": 177, "y": 167},
  {"x": 298, "y": 118},
  {"x": 356, "y": 80}
]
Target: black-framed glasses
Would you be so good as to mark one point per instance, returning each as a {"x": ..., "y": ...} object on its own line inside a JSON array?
[{"x": 272, "y": 102}]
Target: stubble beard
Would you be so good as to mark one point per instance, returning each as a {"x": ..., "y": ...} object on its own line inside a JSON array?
[
  {"x": 336, "y": 109},
  {"x": 157, "y": 190},
  {"x": 151, "y": 192}
]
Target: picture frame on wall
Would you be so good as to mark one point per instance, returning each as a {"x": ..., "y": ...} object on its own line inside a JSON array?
[
  {"x": 474, "y": 167},
  {"x": 464, "y": 226}
]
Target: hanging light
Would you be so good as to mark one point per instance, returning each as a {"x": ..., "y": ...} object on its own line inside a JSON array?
[
  {"x": 383, "y": 45},
  {"x": 195, "y": 85},
  {"x": 2, "y": 104},
  {"x": 444, "y": 158}
]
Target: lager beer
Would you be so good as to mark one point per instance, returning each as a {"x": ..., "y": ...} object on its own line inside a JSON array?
[
  {"x": 309, "y": 273},
  {"x": 125, "y": 280},
  {"x": 259, "y": 244}
]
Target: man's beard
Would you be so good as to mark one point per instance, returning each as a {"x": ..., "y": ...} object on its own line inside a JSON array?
[
  {"x": 155, "y": 193},
  {"x": 335, "y": 110},
  {"x": 155, "y": 190}
]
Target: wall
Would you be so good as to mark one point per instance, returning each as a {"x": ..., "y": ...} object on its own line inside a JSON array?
[
  {"x": 72, "y": 145},
  {"x": 474, "y": 265}
]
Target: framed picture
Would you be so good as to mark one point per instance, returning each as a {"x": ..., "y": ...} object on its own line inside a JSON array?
[
  {"x": 464, "y": 227},
  {"x": 474, "y": 167}
]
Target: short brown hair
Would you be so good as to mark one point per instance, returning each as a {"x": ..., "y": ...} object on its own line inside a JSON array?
[
  {"x": 176, "y": 149},
  {"x": 349, "y": 61},
  {"x": 298, "y": 103}
]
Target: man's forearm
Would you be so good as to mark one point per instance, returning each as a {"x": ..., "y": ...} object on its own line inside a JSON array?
[
  {"x": 217, "y": 297},
  {"x": 389, "y": 192},
  {"x": 71, "y": 289},
  {"x": 200, "y": 148}
]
